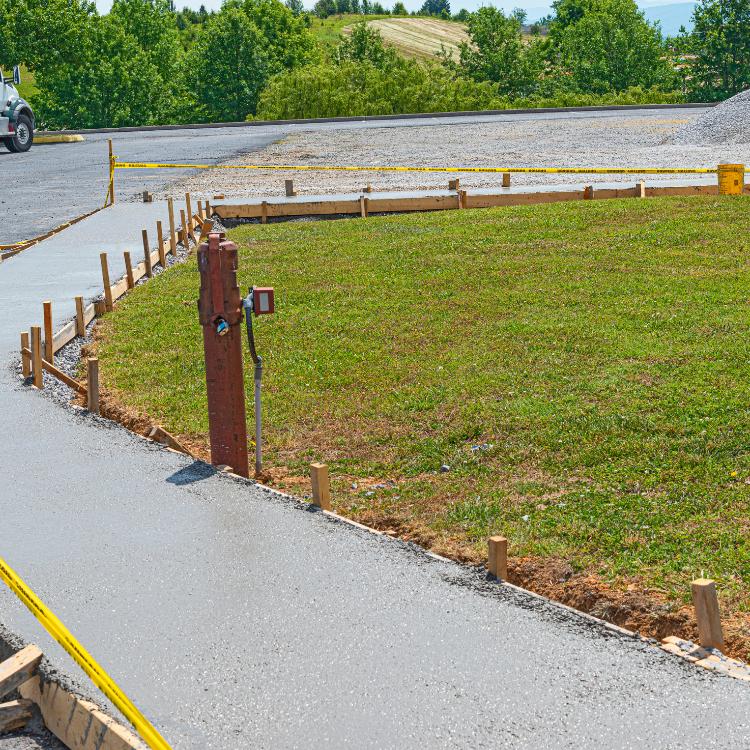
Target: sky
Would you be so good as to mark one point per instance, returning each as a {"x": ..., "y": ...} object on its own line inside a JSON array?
[{"x": 535, "y": 8}]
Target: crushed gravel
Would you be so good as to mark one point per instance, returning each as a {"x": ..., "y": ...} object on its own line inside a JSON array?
[
  {"x": 726, "y": 124},
  {"x": 618, "y": 140}
]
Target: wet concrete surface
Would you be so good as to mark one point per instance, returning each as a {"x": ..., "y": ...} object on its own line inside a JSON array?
[{"x": 234, "y": 617}]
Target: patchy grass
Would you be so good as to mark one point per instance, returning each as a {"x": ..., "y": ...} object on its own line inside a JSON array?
[
  {"x": 581, "y": 367},
  {"x": 329, "y": 30}
]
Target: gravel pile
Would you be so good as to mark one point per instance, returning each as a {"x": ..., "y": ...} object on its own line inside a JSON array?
[{"x": 726, "y": 124}]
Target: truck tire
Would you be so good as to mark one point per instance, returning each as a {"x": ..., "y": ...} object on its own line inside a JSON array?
[{"x": 22, "y": 139}]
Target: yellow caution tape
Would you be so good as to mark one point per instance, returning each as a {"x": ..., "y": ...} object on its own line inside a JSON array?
[
  {"x": 320, "y": 168},
  {"x": 82, "y": 657}
]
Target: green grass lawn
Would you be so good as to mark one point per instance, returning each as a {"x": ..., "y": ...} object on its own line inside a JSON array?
[
  {"x": 583, "y": 368},
  {"x": 28, "y": 88}
]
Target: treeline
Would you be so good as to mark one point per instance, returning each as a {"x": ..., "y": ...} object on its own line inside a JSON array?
[{"x": 146, "y": 63}]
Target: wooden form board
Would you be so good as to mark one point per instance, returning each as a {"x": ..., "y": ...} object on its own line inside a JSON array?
[
  {"x": 443, "y": 202},
  {"x": 78, "y": 723}
]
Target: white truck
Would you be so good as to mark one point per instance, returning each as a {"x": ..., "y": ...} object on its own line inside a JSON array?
[{"x": 16, "y": 117}]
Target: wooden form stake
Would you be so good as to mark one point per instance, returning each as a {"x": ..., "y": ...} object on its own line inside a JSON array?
[
  {"x": 321, "y": 486},
  {"x": 363, "y": 206},
  {"x": 208, "y": 210},
  {"x": 15, "y": 670},
  {"x": 588, "y": 193},
  {"x": 128, "y": 270},
  {"x": 454, "y": 184},
  {"x": 15, "y": 714},
  {"x": 183, "y": 230},
  {"x": 25, "y": 358},
  {"x": 200, "y": 211},
  {"x": 160, "y": 246},
  {"x": 172, "y": 238},
  {"x": 289, "y": 188},
  {"x": 707, "y": 614},
  {"x": 189, "y": 214},
  {"x": 92, "y": 373},
  {"x": 36, "y": 356},
  {"x": 498, "y": 557},
  {"x": 147, "y": 253},
  {"x": 463, "y": 199},
  {"x": 640, "y": 189},
  {"x": 112, "y": 183},
  {"x": 80, "y": 322},
  {"x": 107, "y": 286},
  {"x": 264, "y": 212},
  {"x": 48, "y": 334},
  {"x": 506, "y": 179}
]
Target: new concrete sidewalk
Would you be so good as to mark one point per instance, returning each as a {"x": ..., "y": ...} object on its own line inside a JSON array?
[{"x": 234, "y": 618}]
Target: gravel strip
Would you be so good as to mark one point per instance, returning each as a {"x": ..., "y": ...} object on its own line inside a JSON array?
[{"x": 620, "y": 140}]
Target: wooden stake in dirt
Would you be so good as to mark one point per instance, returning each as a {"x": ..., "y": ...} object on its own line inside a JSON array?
[
  {"x": 14, "y": 714},
  {"x": 264, "y": 212},
  {"x": 15, "y": 670},
  {"x": 463, "y": 199},
  {"x": 25, "y": 358},
  {"x": 498, "y": 557},
  {"x": 189, "y": 214},
  {"x": 506, "y": 179},
  {"x": 640, "y": 189},
  {"x": 184, "y": 231},
  {"x": 160, "y": 246},
  {"x": 36, "y": 356},
  {"x": 200, "y": 211},
  {"x": 321, "y": 486},
  {"x": 454, "y": 184},
  {"x": 588, "y": 193},
  {"x": 48, "y": 334},
  {"x": 363, "y": 206},
  {"x": 289, "y": 188},
  {"x": 147, "y": 253},
  {"x": 707, "y": 614},
  {"x": 172, "y": 238},
  {"x": 208, "y": 210},
  {"x": 80, "y": 322},
  {"x": 92, "y": 372},
  {"x": 107, "y": 286},
  {"x": 128, "y": 269}
]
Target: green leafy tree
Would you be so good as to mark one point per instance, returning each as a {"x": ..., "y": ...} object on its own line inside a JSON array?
[
  {"x": 295, "y": 6},
  {"x": 399, "y": 9},
  {"x": 113, "y": 82},
  {"x": 607, "y": 45},
  {"x": 290, "y": 42},
  {"x": 498, "y": 53},
  {"x": 365, "y": 44},
  {"x": 324, "y": 8},
  {"x": 43, "y": 33},
  {"x": 227, "y": 67},
  {"x": 436, "y": 8},
  {"x": 720, "y": 41}
]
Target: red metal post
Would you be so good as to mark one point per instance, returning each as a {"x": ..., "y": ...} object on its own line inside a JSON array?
[{"x": 220, "y": 311}]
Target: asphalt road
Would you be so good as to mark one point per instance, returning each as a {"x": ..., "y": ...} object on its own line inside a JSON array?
[
  {"x": 55, "y": 183},
  {"x": 236, "y": 618}
]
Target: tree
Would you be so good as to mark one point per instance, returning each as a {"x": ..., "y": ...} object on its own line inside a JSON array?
[
  {"x": 343, "y": 6},
  {"x": 365, "y": 44},
  {"x": 498, "y": 53},
  {"x": 227, "y": 67},
  {"x": 324, "y": 8},
  {"x": 435, "y": 8},
  {"x": 399, "y": 9},
  {"x": 295, "y": 6},
  {"x": 288, "y": 37},
  {"x": 113, "y": 83},
  {"x": 520, "y": 15},
  {"x": 607, "y": 45},
  {"x": 720, "y": 42}
]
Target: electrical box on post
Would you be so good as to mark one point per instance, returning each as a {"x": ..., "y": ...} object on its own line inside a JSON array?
[{"x": 263, "y": 300}]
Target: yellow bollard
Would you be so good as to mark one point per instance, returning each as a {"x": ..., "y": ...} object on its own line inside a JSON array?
[{"x": 731, "y": 179}]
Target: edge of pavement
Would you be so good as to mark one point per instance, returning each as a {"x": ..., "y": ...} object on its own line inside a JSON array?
[{"x": 385, "y": 118}]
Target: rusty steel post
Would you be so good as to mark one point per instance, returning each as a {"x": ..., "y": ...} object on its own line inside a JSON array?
[{"x": 220, "y": 312}]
